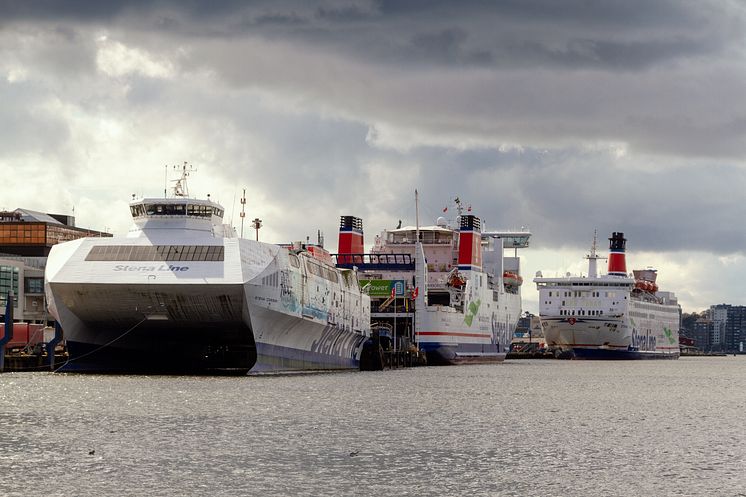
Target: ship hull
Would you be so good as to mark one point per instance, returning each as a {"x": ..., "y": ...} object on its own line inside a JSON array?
[
  {"x": 232, "y": 343},
  {"x": 605, "y": 339},
  {"x": 250, "y": 314},
  {"x": 221, "y": 359},
  {"x": 290, "y": 343},
  {"x": 448, "y": 354},
  {"x": 449, "y": 337},
  {"x": 618, "y": 355},
  {"x": 158, "y": 329}
]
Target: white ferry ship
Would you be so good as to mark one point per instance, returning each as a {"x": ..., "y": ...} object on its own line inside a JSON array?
[
  {"x": 466, "y": 292},
  {"x": 181, "y": 293},
  {"x": 612, "y": 316}
]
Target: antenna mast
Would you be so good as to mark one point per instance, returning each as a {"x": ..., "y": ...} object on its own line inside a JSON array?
[
  {"x": 593, "y": 257},
  {"x": 257, "y": 223},
  {"x": 243, "y": 209},
  {"x": 416, "y": 213},
  {"x": 180, "y": 188}
]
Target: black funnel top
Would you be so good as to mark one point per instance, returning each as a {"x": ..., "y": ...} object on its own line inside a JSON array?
[{"x": 617, "y": 242}]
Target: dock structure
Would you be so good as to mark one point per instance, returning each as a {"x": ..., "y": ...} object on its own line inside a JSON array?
[
  {"x": 378, "y": 353},
  {"x": 22, "y": 346},
  {"x": 7, "y": 335},
  {"x": 387, "y": 279}
]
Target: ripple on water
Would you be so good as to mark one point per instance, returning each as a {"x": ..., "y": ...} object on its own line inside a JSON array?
[{"x": 520, "y": 428}]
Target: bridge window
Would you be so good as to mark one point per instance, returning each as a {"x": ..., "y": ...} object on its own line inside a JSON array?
[{"x": 199, "y": 210}]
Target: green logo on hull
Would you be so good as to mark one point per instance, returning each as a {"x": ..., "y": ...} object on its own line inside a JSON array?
[{"x": 471, "y": 312}]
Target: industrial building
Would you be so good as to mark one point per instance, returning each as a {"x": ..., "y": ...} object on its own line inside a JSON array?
[{"x": 26, "y": 237}]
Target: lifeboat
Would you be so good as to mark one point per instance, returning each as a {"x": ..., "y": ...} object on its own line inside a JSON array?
[
  {"x": 512, "y": 279},
  {"x": 646, "y": 286},
  {"x": 456, "y": 280}
]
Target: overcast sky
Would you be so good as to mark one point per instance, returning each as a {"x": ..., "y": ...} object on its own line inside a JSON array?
[{"x": 563, "y": 117}]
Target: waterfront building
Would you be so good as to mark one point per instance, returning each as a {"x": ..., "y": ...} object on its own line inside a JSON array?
[
  {"x": 26, "y": 237},
  {"x": 719, "y": 315},
  {"x": 702, "y": 331},
  {"x": 735, "y": 329},
  {"x": 728, "y": 327}
]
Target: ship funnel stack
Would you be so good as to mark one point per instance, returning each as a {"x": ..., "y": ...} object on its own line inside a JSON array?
[
  {"x": 350, "y": 237},
  {"x": 617, "y": 260},
  {"x": 470, "y": 243}
]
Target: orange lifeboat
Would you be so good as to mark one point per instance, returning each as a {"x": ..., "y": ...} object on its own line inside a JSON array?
[
  {"x": 512, "y": 279},
  {"x": 646, "y": 286},
  {"x": 456, "y": 280}
]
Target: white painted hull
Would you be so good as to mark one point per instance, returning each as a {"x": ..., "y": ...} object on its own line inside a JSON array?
[
  {"x": 613, "y": 338},
  {"x": 251, "y": 312},
  {"x": 451, "y": 337}
]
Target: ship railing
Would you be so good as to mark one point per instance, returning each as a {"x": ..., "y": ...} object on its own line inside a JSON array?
[
  {"x": 392, "y": 262},
  {"x": 424, "y": 240}
]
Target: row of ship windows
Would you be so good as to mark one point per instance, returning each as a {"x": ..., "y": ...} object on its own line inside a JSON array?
[
  {"x": 322, "y": 272},
  {"x": 643, "y": 315},
  {"x": 272, "y": 280},
  {"x": 315, "y": 269},
  {"x": 616, "y": 285},
  {"x": 170, "y": 253},
  {"x": 581, "y": 312},
  {"x": 591, "y": 304},
  {"x": 582, "y": 294},
  {"x": 658, "y": 308},
  {"x": 175, "y": 210}
]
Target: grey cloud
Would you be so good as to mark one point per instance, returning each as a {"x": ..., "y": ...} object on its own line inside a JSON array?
[
  {"x": 26, "y": 127},
  {"x": 549, "y": 78},
  {"x": 493, "y": 34}
]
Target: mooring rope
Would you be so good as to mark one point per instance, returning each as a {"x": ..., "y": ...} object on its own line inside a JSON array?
[{"x": 71, "y": 359}]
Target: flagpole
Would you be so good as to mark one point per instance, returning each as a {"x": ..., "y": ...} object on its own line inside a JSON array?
[
  {"x": 417, "y": 227},
  {"x": 394, "y": 318},
  {"x": 417, "y": 214}
]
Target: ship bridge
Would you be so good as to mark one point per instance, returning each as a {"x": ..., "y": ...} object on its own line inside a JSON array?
[
  {"x": 511, "y": 239},
  {"x": 179, "y": 212}
]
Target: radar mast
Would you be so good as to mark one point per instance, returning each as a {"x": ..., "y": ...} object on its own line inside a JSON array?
[
  {"x": 180, "y": 188},
  {"x": 593, "y": 257}
]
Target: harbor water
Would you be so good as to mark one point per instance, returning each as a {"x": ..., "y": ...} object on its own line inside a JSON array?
[{"x": 531, "y": 427}]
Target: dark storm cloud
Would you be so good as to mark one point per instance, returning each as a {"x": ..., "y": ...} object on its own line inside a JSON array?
[
  {"x": 408, "y": 94},
  {"x": 564, "y": 195},
  {"x": 525, "y": 33}
]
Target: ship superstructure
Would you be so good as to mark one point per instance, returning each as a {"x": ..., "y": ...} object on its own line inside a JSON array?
[
  {"x": 611, "y": 316},
  {"x": 181, "y": 293},
  {"x": 465, "y": 292}
]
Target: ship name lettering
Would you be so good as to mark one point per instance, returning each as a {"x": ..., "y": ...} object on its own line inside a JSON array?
[
  {"x": 643, "y": 342},
  {"x": 148, "y": 269}
]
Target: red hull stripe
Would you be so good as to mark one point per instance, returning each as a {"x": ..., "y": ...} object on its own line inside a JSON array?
[{"x": 453, "y": 334}]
